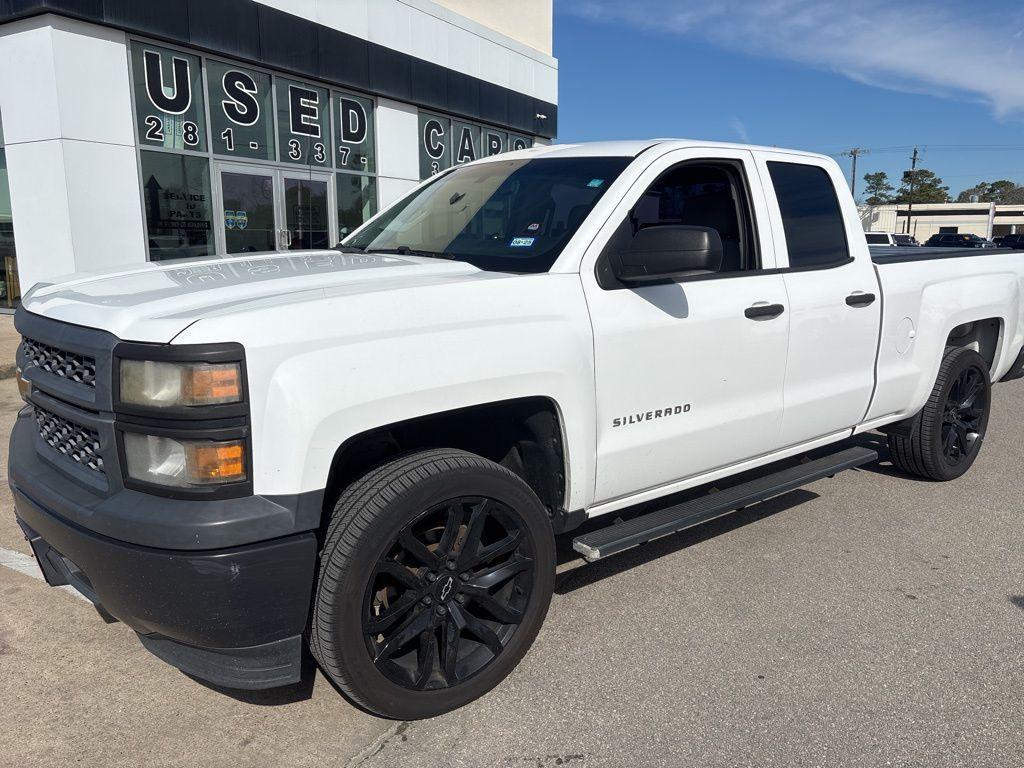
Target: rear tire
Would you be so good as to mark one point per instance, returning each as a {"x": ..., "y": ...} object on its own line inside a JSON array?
[
  {"x": 436, "y": 575},
  {"x": 949, "y": 431}
]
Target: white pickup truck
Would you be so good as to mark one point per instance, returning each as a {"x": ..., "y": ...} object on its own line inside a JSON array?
[{"x": 369, "y": 452}]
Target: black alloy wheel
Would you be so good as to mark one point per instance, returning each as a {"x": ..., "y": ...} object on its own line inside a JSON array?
[
  {"x": 966, "y": 405},
  {"x": 436, "y": 573},
  {"x": 944, "y": 439},
  {"x": 448, "y": 594}
]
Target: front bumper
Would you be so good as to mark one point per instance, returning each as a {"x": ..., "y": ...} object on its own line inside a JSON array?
[{"x": 232, "y": 615}]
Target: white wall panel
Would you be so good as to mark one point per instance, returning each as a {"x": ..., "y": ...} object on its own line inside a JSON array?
[
  {"x": 105, "y": 210},
  {"x": 39, "y": 208},
  {"x": 391, "y": 24},
  {"x": 430, "y": 39},
  {"x": 434, "y": 33},
  {"x": 495, "y": 63},
  {"x": 392, "y": 190},
  {"x": 545, "y": 82},
  {"x": 351, "y": 16},
  {"x": 463, "y": 51},
  {"x": 28, "y": 87},
  {"x": 93, "y": 87},
  {"x": 397, "y": 140}
]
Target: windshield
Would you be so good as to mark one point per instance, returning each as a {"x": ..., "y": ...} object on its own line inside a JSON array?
[{"x": 501, "y": 216}]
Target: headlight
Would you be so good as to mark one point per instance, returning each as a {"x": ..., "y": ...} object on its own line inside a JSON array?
[
  {"x": 169, "y": 385},
  {"x": 184, "y": 463}
]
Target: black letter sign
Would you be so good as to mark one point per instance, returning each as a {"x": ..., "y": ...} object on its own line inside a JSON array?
[
  {"x": 433, "y": 132},
  {"x": 304, "y": 108},
  {"x": 241, "y": 106},
  {"x": 353, "y": 121},
  {"x": 181, "y": 99},
  {"x": 467, "y": 152}
]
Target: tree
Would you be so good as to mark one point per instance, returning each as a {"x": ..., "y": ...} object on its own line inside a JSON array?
[
  {"x": 928, "y": 188},
  {"x": 878, "y": 190},
  {"x": 1002, "y": 191}
]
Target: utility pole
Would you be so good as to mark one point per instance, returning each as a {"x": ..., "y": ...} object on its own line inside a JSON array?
[
  {"x": 854, "y": 154},
  {"x": 910, "y": 198}
]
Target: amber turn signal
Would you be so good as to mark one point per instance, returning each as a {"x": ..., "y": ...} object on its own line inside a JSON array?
[{"x": 215, "y": 462}]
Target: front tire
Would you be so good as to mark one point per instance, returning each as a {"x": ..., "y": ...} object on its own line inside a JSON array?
[
  {"x": 949, "y": 432},
  {"x": 436, "y": 574}
]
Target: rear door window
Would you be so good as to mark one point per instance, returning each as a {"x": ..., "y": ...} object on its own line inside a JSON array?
[
  {"x": 878, "y": 239},
  {"x": 811, "y": 217}
]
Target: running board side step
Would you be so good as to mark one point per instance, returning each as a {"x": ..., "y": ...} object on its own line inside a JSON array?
[{"x": 663, "y": 522}]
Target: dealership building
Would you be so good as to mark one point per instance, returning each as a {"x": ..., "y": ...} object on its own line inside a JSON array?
[
  {"x": 134, "y": 131},
  {"x": 923, "y": 220}
]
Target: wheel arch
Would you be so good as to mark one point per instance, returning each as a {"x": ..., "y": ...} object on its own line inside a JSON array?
[
  {"x": 526, "y": 435},
  {"x": 984, "y": 336}
]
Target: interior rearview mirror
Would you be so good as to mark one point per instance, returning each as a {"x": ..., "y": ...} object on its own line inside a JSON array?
[{"x": 668, "y": 251}]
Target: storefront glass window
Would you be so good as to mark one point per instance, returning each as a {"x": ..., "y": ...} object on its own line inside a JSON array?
[
  {"x": 303, "y": 123},
  {"x": 357, "y": 201},
  {"x": 435, "y": 144},
  {"x": 169, "y": 104},
  {"x": 241, "y": 111},
  {"x": 10, "y": 290},
  {"x": 354, "y": 132},
  {"x": 179, "y": 211}
]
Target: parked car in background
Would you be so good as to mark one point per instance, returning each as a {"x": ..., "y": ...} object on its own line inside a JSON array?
[
  {"x": 891, "y": 239},
  {"x": 958, "y": 241},
  {"x": 906, "y": 241},
  {"x": 1009, "y": 241}
]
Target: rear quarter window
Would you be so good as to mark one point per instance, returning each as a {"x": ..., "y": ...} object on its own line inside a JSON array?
[{"x": 811, "y": 217}]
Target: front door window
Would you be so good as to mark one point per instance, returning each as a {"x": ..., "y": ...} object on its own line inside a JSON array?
[
  {"x": 307, "y": 211},
  {"x": 249, "y": 223}
]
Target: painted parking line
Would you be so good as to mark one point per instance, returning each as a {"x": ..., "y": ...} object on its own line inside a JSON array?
[{"x": 27, "y": 565}]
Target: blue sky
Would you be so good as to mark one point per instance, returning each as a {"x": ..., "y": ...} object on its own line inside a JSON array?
[{"x": 821, "y": 75}]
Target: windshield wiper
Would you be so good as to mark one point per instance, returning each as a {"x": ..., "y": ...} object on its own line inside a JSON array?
[
  {"x": 349, "y": 248},
  {"x": 405, "y": 250}
]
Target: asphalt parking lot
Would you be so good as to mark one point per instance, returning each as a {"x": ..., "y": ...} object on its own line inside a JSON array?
[{"x": 868, "y": 620}]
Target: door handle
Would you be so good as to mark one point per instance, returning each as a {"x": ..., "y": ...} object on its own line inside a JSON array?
[
  {"x": 860, "y": 299},
  {"x": 764, "y": 310}
]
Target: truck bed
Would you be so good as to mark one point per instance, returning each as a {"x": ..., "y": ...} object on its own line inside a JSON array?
[{"x": 884, "y": 254}]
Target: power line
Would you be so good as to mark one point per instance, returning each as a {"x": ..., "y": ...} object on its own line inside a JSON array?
[{"x": 853, "y": 154}]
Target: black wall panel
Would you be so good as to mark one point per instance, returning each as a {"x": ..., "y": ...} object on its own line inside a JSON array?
[
  {"x": 287, "y": 41},
  {"x": 167, "y": 18},
  {"x": 390, "y": 73},
  {"x": 228, "y": 27},
  {"x": 430, "y": 84},
  {"x": 344, "y": 59},
  {"x": 244, "y": 29},
  {"x": 463, "y": 94}
]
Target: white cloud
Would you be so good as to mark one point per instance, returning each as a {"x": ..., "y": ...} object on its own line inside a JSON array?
[
  {"x": 739, "y": 129},
  {"x": 943, "y": 47}
]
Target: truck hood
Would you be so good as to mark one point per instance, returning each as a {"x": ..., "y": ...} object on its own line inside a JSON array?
[{"x": 156, "y": 301}]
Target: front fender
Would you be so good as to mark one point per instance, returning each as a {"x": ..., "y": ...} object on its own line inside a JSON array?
[{"x": 325, "y": 371}]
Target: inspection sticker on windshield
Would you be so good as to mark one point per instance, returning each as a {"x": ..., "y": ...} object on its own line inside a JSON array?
[
  {"x": 595, "y": 183},
  {"x": 522, "y": 242}
]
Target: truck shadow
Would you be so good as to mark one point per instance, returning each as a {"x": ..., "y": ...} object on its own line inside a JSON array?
[
  {"x": 584, "y": 575},
  {"x": 1017, "y": 600},
  {"x": 272, "y": 697}
]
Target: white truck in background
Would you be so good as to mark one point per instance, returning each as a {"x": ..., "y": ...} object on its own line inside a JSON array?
[{"x": 369, "y": 452}]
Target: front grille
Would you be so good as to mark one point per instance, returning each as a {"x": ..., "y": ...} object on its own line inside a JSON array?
[
  {"x": 60, "y": 362},
  {"x": 78, "y": 443}
]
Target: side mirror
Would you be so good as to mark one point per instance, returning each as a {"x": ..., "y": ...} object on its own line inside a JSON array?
[{"x": 668, "y": 251}]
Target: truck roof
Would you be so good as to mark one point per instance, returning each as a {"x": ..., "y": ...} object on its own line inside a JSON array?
[{"x": 635, "y": 147}]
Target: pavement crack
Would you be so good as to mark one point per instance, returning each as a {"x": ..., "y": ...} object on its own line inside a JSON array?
[{"x": 378, "y": 744}]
